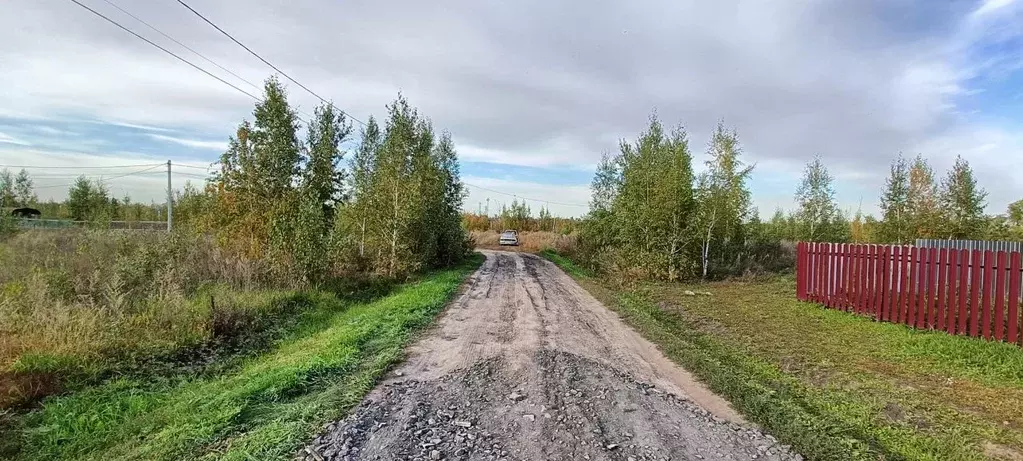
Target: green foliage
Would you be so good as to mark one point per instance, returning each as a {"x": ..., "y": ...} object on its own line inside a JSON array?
[
  {"x": 516, "y": 216},
  {"x": 323, "y": 178},
  {"x": 895, "y": 211},
  {"x": 89, "y": 201},
  {"x": 405, "y": 213},
  {"x": 922, "y": 198},
  {"x": 8, "y": 197},
  {"x": 962, "y": 203},
  {"x": 723, "y": 202},
  {"x": 818, "y": 217},
  {"x": 24, "y": 194},
  {"x": 649, "y": 220}
]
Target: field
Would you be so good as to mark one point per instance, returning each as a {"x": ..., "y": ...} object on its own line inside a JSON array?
[
  {"x": 162, "y": 366},
  {"x": 533, "y": 242},
  {"x": 833, "y": 385}
]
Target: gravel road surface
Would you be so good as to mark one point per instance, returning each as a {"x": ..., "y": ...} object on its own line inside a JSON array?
[{"x": 526, "y": 365}]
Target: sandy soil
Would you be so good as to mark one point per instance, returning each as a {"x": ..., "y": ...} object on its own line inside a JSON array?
[{"x": 525, "y": 364}]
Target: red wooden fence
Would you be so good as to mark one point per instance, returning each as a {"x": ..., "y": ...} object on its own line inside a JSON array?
[{"x": 973, "y": 293}]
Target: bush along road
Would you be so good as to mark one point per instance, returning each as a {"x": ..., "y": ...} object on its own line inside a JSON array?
[{"x": 525, "y": 364}]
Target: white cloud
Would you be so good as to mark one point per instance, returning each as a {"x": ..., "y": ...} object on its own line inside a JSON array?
[
  {"x": 6, "y": 139},
  {"x": 197, "y": 143}
]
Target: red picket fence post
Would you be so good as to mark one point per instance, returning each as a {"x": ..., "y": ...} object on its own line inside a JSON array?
[
  {"x": 1000, "y": 296},
  {"x": 964, "y": 287},
  {"x": 1014, "y": 283},
  {"x": 942, "y": 287}
]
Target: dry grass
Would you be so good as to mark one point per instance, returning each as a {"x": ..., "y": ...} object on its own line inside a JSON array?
[
  {"x": 76, "y": 300},
  {"x": 533, "y": 242}
]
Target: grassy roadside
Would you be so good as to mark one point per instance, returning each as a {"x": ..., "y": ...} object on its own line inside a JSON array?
[
  {"x": 833, "y": 385},
  {"x": 262, "y": 409}
]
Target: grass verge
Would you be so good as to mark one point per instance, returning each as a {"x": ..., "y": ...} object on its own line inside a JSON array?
[
  {"x": 833, "y": 385},
  {"x": 264, "y": 408}
]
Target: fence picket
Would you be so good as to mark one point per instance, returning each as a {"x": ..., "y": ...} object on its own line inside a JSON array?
[
  {"x": 904, "y": 287},
  {"x": 921, "y": 290},
  {"x": 861, "y": 285},
  {"x": 942, "y": 287},
  {"x": 1014, "y": 282},
  {"x": 932, "y": 286},
  {"x": 871, "y": 280},
  {"x": 914, "y": 283},
  {"x": 986, "y": 286},
  {"x": 819, "y": 273},
  {"x": 975, "y": 277},
  {"x": 883, "y": 291},
  {"x": 964, "y": 288},
  {"x": 1000, "y": 274}
]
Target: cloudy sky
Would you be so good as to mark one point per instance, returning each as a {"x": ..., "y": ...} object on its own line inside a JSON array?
[{"x": 532, "y": 91}]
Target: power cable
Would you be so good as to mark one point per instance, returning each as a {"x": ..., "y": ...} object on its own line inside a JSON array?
[
  {"x": 200, "y": 69},
  {"x": 194, "y": 166},
  {"x": 82, "y": 167},
  {"x": 525, "y": 198},
  {"x": 168, "y": 37},
  {"x": 102, "y": 179},
  {"x": 222, "y": 31}
]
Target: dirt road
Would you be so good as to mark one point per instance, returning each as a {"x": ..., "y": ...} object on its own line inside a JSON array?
[{"x": 526, "y": 365}]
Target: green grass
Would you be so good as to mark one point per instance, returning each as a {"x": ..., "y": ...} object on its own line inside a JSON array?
[
  {"x": 833, "y": 385},
  {"x": 264, "y": 408}
]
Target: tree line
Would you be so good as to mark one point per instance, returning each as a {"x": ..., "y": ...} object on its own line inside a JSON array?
[
  {"x": 913, "y": 204},
  {"x": 651, "y": 216},
  {"x": 306, "y": 209},
  {"x": 518, "y": 216}
]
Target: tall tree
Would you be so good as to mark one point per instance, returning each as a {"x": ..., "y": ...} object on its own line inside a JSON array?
[
  {"x": 605, "y": 183},
  {"x": 895, "y": 211},
  {"x": 7, "y": 194},
  {"x": 962, "y": 203},
  {"x": 815, "y": 197},
  {"x": 722, "y": 197},
  {"x": 323, "y": 178},
  {"x": 362, "y": 166},
  {"x": 88, "y": 200},
  {"x": 924, "y": 217},
  {"x": 655, "y": 209},
  {"x": 276, "y": 149},
  {"x": 24, "y": 191}
]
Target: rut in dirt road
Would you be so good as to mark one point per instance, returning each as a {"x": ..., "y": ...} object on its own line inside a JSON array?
[{"x": 526, "y": 365}]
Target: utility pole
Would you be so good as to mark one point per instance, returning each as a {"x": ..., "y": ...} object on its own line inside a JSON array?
[
  {"x": 170, "y": 199},
  {"x": 488, "y": 207}
]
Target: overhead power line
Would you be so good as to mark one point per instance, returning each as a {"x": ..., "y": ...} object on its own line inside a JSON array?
[
  {"x": 222, "y": 31},
  {"x": 526, "y": 198},
  {"x": 104, "y": 179},
  {"x": 168, "y": 37},
  {"x": 194, "y": 166},
  {"x": 80, "y": 167},
  {"x": 207, "y": 59},
  {"x": 179, "y": 58}
]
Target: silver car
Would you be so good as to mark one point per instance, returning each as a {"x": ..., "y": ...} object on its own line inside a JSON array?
[{"x": 509, "y": 237}]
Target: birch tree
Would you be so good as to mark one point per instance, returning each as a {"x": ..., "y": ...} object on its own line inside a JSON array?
[
  {"x": 722, "y": 197},
  {"x": 815, "y": 198}
]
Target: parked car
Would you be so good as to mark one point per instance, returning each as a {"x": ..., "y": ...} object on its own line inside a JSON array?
[{"x": 509, "y": 237}]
